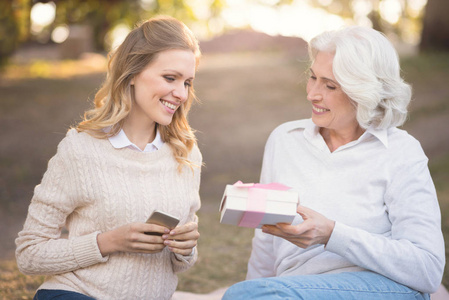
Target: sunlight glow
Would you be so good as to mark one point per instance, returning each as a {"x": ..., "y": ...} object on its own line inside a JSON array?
[
  {"x": 390, "y": 10},
  {"x": 148, "y": 4},
  {"x": 117, "y": 35},
  {"x": 60, "y": 34},
  {"x": 415, "y": 7},
  {"x": 297, "y": 19},
  {"x": 325, "y": 2},
  {"x": 362, "y": 8},
  {"x": 201, "y": 8},
  {"x": 42, "y": 15}
]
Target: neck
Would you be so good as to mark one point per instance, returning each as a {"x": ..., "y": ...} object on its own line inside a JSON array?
[
  {"x": 139, "y": 133},
  {"x": 337, "y": 138}
]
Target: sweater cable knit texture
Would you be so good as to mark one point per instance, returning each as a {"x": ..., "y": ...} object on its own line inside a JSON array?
[{"x": 90, "y": 187}]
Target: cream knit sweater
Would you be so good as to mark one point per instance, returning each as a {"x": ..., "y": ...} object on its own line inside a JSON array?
[{"x": 90, "y": 187}]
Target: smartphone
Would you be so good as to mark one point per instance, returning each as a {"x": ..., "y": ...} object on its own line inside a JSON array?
[{"x": 163, "y": 219}]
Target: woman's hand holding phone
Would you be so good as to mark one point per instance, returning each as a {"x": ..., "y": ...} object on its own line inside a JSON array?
[
  {"x": 151, "y": 237},
  {"x": 132, "y": 238},
  {"x": 182, "y": 239}
]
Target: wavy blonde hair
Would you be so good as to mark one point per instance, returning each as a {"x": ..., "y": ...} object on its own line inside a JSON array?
[{"x": 113, "y": 101}]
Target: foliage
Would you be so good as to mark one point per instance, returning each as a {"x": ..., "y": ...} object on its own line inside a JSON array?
[
  {"x": 100, "y": 15},
  {"x": 14, "y": 26},
  {"x": 8, "y": 31}
]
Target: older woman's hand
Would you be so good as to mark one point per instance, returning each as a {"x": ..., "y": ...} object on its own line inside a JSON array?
[
  {"x": 316, "y": 229},
  {"x": 182, "y": 239}
]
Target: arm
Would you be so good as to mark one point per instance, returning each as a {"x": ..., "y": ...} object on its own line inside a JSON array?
[
  {"x": 414, "y": 253},
  {"x": 182, "y": 241},
  {"x": 40, "y": 248}
]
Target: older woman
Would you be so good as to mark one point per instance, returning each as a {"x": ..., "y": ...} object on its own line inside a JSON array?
[{"x": 369, "y": 221}]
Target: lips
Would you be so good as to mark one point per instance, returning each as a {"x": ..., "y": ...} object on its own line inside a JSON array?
[
  {"x": 319, "y": 109},
  {"x": 169, "y": 105}
]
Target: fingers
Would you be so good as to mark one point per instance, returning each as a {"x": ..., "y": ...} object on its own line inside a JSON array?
[
  {"x": 316, "y": 229},
  {"x": 153, "y": 229},
  {"x": 146, "y": 243},
  {"x": 150, "y": 238},
  {"x": 283, "y": 229},
  {"x": 180, "y": 247},
  {"x": 182, "y": 239},
  {"x": 188, "y": 227},
  {"x": 303, "y": 211}
]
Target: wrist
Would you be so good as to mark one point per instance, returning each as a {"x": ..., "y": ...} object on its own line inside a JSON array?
[
  {"x": 105, "y": 243},
  {"x": 331, "y": 226}
]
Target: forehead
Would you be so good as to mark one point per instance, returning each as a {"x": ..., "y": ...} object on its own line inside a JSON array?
[
  {"x": 323, "y": 63},
  {"x": 181, "y": 61}
]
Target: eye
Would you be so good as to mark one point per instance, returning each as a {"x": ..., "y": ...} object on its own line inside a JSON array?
[
  {"x": 330, "y": 87},
  {"x": 188, "y": 84},
  {"x": 313, "y": 77},
  {"x": 169, "y": 78}
]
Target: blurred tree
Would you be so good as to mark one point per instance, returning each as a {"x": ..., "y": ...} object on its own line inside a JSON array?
[
  {"x": 101, "y": 15},
  {"x": 435, "y": 34},
  {"x": 14, "y": 26}
]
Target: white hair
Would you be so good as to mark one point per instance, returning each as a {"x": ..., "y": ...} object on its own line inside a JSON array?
[{"x": 366, "y": 65}]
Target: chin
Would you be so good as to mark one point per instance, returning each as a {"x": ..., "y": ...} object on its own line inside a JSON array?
[
  {"x": 165, "y": 122},
  {"x": 317, "y": 122}
]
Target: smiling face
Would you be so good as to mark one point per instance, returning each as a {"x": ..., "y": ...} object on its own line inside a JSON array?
[
  {"x": 331, "y": 107},
  {"x": 162, "y": 87}
]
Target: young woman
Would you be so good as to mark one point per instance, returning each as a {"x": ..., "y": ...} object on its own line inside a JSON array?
[
  {"x": 368, "y": 224},
  {"x": 133, "y": 153}
]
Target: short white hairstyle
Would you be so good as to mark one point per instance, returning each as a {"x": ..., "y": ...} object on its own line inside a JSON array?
[{"x": 366, "y": 65}]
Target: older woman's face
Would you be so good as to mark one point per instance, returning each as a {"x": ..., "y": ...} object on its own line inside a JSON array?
[{"x": 331, "y": 107}]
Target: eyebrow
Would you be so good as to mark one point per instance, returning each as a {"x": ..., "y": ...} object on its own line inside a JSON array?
[
  {"x": 177, "y": 73},
  {"x": 325, "y": 78}
]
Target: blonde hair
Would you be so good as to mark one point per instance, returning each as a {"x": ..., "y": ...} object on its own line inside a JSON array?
[{"x": 113, "y": 101}]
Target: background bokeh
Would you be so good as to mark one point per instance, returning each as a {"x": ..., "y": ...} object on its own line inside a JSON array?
[{"x": 251, "y": 79}]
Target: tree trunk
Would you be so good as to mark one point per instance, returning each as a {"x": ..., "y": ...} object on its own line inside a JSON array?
[{"x": 435, "y": 33}]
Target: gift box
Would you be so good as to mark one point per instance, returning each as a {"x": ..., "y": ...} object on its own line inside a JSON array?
[{"x": 253, "y": 205}]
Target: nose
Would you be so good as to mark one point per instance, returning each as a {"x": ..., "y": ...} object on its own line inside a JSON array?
[
  {"x": 181, "y": 92},
  {"x": 313, "y": 91}
]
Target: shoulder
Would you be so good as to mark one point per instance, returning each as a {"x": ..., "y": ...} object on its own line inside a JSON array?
[
  {"x": 292, "y": 125},
  {"x": 195, "y": 154},
  {"x": 404, "y": 150},
  {"x": 78, "y": 142},
  {"x": 401, "y": 141},
  {"x": 285, "y": 129}
]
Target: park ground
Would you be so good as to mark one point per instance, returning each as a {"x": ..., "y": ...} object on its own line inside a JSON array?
[{"x": 244, "y": 96}]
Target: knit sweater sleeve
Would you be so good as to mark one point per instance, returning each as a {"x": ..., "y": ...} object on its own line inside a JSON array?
[
  {"x": 40, "y": 247},
  {"x": 181, "y": 262}
]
